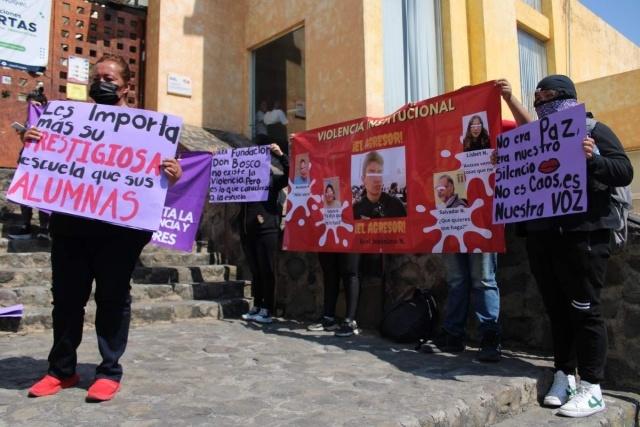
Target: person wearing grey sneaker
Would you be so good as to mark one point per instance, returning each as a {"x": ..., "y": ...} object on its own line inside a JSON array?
[
  {"x": 337, "y": 267},
  {"x": 259, "y": 235}
]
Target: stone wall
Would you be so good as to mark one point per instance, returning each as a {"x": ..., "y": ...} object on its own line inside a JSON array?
[{"x": 389, "y": 278}]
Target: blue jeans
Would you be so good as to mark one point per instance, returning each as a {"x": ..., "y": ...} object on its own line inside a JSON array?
[{"x": 472, "y": 276}]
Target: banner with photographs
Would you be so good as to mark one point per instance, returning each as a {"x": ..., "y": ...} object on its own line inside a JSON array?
[{"x": 418, "y": 180}]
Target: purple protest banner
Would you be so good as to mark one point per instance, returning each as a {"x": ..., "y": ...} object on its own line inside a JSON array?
[
  {"x": 98, "y": 161},
  {"x": 12, "y": 311},
  {"x": 33, "y": 114},
  {"x": 542, "y": 169},
  {"x": 240, "y": 175},
  {"x": 183, "y": 207}
]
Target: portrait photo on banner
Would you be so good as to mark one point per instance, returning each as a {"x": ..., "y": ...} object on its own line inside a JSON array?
[
  {"x": 450, "y": 189},
  {"x": 379, "y": 184},
  {"x": 302, "y": 170},
  {"x": 331, "y": 193},
  {"x": 475, "y": 132}
]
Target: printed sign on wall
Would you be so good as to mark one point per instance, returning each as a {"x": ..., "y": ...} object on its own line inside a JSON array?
[{"x": 24, "y": 34}]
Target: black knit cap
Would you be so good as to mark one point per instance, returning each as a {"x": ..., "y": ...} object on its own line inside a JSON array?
[{"x": 560, "y": 83}]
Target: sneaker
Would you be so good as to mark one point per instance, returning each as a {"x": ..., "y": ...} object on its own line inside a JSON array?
[
  {"x": 325, "y": 324},
  {"x": 49, "y": 385},
  {"x": 444, "y": 342},
  {"x": 24, "y": 233},
  {"x": 43, "y": 236},
  {"x": 562, "y": 389},
  {"x": 587, "y": 401},
  {"x": 263, "y": 316},
  {"x": 490, "y": 349},
  {"x": 348, "y": 328},
  {"x": 249, "y": 315},
  {"x": 102, "y": 389}
]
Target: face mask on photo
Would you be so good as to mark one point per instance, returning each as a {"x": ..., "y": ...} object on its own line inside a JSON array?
[
  {"x": 104, "y": 93},
  {"x": 543, "y": 109}
]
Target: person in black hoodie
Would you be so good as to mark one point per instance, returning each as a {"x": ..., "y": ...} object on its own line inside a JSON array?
[
  {"x": 569, "y": 254},
  {"x": 259, "y": 234}
]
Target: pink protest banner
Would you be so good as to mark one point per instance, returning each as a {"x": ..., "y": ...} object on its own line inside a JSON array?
[{"x": 98, "y": 161}]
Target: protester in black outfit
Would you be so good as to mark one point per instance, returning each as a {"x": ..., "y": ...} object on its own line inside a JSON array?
[
  {"x": 259, "y": 234},
  {"x": 84, "y": 250},
  {"x": 569, "y": 254},
  {"x": 337, "y": 266},
  {"x": 375, "y": 203}
]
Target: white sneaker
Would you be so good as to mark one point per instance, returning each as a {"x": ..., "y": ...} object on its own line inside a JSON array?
[
  {"x": 249, "y": 315},
  {"x": 587, "y": 401},
  {"x": 263, "y": 316},
  {"x": 562, "y": 389}
]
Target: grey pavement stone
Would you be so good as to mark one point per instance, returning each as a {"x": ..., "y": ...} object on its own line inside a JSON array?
[{"x": 228, "y": 373}]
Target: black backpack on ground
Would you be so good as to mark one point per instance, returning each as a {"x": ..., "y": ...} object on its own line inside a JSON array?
[{"x": 412, "y": 320}]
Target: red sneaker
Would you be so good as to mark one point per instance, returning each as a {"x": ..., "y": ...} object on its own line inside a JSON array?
[
  {"x": 51, "y": 385},
  {"x": 103, "y": 389}
]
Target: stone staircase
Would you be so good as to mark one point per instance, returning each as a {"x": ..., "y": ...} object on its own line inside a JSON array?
[{"x": 166, "y": 285}]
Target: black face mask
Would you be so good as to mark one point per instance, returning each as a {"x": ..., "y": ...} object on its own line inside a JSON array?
[{"x": 104, "y": 93}]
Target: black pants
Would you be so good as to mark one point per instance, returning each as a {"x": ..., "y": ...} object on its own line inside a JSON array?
[
  {"x": 570, "y": 270},
  {"x": 26, "y": 212},
  {"x": 260, "y": 251},
  {"x": 336, "y": 266},
  {"x": 76, "y": 262}
]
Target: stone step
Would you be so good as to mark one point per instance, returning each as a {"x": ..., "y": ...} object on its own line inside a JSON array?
[
  {"x": 40, "y": 296},
  {"x": 44, "y": 245},
  {"x": 38, "y": 318},
  {"x": 11, "y": 277},
  {"x": 43, "y": 259},
  {"x": 29, "y": 245},
  {"x": 620, "y": 411},
  {"x": 25, "y": 260},
  {"x": 154, "y": 259}
]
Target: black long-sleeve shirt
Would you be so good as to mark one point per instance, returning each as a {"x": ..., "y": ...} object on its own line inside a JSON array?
[{"x": 264, "y": 217}]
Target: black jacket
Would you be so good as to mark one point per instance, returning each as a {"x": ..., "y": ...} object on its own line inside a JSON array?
[
  {"x": 386, "y": 207},
  {"x": 611, "y": 168},
  {"x": 264, "y": 217}
]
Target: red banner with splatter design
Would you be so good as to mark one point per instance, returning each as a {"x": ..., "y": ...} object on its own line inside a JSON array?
[{"x": 419, "y": 180}]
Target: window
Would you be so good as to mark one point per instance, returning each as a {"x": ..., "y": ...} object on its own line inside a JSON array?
[
  {"x": 533, "y": 66},
  {"x": 536, "y": 4},
  {"x": 413, "y": 66}
]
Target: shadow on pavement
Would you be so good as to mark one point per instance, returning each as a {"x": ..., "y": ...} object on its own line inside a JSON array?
[
  {"x": 20, "y": 373},
  {"x": 405, "y": 357}
]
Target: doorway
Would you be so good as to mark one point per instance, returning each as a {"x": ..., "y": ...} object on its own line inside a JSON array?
[{"x": 279, "y": 80}]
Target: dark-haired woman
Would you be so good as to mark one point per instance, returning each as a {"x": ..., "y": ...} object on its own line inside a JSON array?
[
  {"x": 477, "y": 137},
  {"x": 84, "y": 250}
]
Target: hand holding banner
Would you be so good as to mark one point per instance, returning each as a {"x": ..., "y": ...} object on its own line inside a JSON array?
[
  {"x": 542, "y": 169},
  {"x": 98, "y": 161}
]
